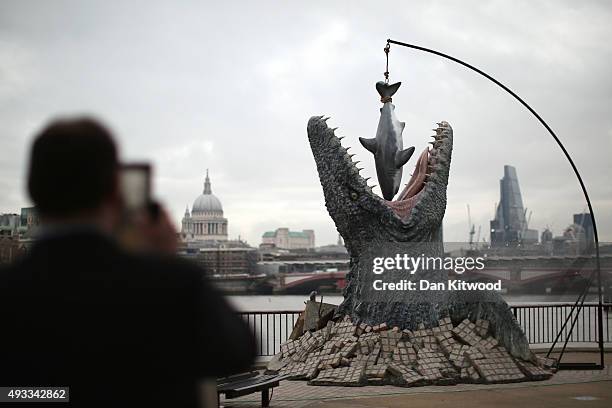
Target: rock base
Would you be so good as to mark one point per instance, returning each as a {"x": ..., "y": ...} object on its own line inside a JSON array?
[{"x": 347, "y": 354}]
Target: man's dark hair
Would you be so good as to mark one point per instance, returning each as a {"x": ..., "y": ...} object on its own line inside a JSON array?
[{"x": 73, "y": 167}]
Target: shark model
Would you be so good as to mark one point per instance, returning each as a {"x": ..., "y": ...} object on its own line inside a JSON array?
[{"x": 387, "y": 146}]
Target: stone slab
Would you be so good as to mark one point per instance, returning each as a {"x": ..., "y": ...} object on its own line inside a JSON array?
[
  {"x": 343, "y": 376},
  {"x": 317, "y": 314}
]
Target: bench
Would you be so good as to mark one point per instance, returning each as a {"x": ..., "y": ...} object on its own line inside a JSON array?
[{"x": 248, "y": 383}]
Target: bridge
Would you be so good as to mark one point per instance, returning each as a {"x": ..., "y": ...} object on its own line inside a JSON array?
[
  {"x": 304, "y": 283},
  {"x": 537, "y": 274}
]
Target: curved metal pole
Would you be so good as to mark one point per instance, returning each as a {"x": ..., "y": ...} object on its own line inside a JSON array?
[{"x": 567, "y": 156}]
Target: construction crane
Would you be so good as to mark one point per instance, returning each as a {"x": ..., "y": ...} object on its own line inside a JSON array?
[{"x": 471, "y": 228}]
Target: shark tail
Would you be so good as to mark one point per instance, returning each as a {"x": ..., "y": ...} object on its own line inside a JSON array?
[{"x": 386, "y": 91}]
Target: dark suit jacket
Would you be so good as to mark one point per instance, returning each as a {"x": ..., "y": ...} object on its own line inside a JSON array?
[{"x": 119, "y": 329}]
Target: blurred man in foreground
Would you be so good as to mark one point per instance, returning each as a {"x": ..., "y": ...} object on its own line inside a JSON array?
[{"x": 119, "y": 329}]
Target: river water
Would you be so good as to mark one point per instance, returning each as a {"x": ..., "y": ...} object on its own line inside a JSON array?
[{"x": 260, "y": 303}]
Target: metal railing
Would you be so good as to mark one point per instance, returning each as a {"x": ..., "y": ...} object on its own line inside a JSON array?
[
  {"x": 541, "y": 323},
  {"x": 271, "y": 329}
]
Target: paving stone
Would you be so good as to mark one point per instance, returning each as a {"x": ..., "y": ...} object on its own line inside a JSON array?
[
  {"x": 433, "y": 365},
  {"x": 371, "y": 358},
  {"x": 288, "y": 347},
  {"x": 458, "y": 356},
  {"x": 331, "y": 360},
  {"x": 304, "y": 346},
  {"x": 305, "y": 337},
  {"x": 444, "y": 361},
  {"x": 488, "y": 343},
  {"x": 343, "y": 329},
  {"x": 378, "y": 371},
  {"x": 357, "y": 362},
  {"x": 301, "y": 371},
  {"x": 533, "y": 372},
  {"x": 299, "y": 356},
  {"x": 343, "y": 353},
  {"x": 430, "y": 342},
  {"x": 327, "y": 347},
  {"x": 337, "y": 345},
  {"x": 319, "y": 336},
  {"x": 370, "y": 336},
  {"x": 444, "y": 335},
  {"x": 482, "y": 327},
  {"x": 366, "y": 346},
  {"x": 309, "y": 342},
  {"x": 298, "y": 394},
  {"x": 422, "y": 332},
  {"x": 389, "y": 339},
  {"x": 429, "y": 373},
  {"x": 317, "y": 353},
  {"x": 498, "y": 367},
  {"x": 406, "y": 376},
  {"x": 447, "y": 342},
  {"x": 361, "y": 329},
  {"x": 445, "y": 324},
  {"x": 474, "y": 353},
  {"x": 385, "y": 358},
  {"x": 350, "y": 349},
  {"x": 288, "y": 369},
  {"x": 404, "y": 353},
  {"x": 343, "y": 376},
  {"x": 465, "y": 332},
  {"x": 380, "y": 327},
  {"x": 469, "y": 374},
  {"x": 417, "y": 339}
]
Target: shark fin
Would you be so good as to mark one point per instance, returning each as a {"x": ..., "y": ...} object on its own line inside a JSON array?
[
  {"x": 402, "y": 157},
  {"x": 386, "y": 90},
  {"x": 369, "y": 144}
]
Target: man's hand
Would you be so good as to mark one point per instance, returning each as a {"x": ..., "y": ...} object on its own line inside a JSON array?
[{"x": 150, "y": 230}]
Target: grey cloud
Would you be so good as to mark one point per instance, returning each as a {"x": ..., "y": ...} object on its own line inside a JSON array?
[{"x": 230, "y": 86}]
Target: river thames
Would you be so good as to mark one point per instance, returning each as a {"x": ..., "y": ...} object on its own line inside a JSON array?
[{"x": 261, "y": 303}]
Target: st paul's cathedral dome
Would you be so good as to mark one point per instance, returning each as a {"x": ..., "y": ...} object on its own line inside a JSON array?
[{"x": 206, "y": 221}]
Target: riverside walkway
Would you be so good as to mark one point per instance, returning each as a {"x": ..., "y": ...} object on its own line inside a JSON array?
[{"x": 567, "y": 388}]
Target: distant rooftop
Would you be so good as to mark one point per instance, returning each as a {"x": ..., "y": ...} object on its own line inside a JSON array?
[{"x": 292, "y": 234}]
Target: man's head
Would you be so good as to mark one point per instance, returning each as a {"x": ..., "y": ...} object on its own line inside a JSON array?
[{"x": 73, "y": 171}]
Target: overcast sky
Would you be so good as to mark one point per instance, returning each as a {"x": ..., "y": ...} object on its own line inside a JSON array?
[{"x": 229, "y": 86}]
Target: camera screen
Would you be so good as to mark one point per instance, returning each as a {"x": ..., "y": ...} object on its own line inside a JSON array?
[{"x": 135, "y": 185}]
